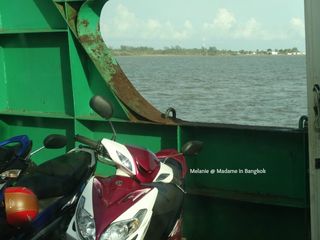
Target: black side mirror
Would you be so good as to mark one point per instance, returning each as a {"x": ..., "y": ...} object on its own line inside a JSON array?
[
  {"x": 54, "y": 141},
  {"x": 192, "y": 148},
  {"x": 101, "y": 107}
]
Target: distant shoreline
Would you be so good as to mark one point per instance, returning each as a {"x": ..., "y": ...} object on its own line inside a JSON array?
[
  {"x": 195, "y": 55},
  {"x": 211, "y": 51}
]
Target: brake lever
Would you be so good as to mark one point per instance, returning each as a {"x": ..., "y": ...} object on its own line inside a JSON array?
[
  {"x": 100, "y": 150},
  {"x": 81, "y": 146}
]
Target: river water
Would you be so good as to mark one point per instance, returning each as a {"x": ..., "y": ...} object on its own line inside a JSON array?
[{"x": 247, "y": 90}]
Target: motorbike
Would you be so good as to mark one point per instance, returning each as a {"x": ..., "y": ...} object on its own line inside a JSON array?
[
  {"x": 41, "y": 202},
  {"x": 14, "y": 158},
  {"x": 143, "y": 200}
]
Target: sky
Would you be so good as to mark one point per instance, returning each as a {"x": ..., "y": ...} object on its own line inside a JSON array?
[{"x": 224, "y": 24}]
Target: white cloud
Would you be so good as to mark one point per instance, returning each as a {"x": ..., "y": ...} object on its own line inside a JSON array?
[
  {"x": 224, "y": 21},
  {"x": 124, "y": 23},
  {"x": 153, "y": 29},
  {"x": 188, "y": 25},
  {"x": 297, "y": 26},
  {"x": 251, "y": 29},
  {"x": 226, "y": 26},
  {"x": 124, "y": 20},
  {"x": 153, "y": 25}
]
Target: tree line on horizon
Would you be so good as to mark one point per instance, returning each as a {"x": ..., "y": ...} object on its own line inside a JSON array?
[{"x": 203, "y": 51}]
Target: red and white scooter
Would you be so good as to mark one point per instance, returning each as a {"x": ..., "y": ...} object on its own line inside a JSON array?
[{"x": 143, "y": 200}]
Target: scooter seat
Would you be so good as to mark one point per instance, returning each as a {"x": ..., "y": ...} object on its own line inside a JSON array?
[{"x": 58, "y": 176}]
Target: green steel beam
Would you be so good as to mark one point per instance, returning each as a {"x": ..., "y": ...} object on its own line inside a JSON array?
[
  {"x": 39, "y": 12},
  {"x": 85, "y": 24},
  {"x": 312, "y": 20}
]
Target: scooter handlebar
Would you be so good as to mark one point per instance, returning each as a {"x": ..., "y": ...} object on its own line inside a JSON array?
[{"x": 87, "y": 141}]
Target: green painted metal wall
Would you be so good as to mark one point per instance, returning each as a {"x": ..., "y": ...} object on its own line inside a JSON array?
[
  {"x": 46, "y": 81},
  {"x": 273, "y": 205}
]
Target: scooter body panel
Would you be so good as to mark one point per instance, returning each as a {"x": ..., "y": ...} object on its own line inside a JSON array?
[
  {"x": 119, "y": 198},
  {"x": 134, "y": 161},
  {"x": 174, "y": 154},
  {"x": 115, "y": 199},
  {"x": 144, "y": 182},
  {"x": 147, "y": 164},
  {"x": 23, "y": 140}
]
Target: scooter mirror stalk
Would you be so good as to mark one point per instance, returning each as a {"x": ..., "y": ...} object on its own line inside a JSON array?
[
  {"x": 101, "y": 106},
  {"x": 52, "y": 141}
]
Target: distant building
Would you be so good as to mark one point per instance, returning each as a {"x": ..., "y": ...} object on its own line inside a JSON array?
[{"x": 270, "y": 52}]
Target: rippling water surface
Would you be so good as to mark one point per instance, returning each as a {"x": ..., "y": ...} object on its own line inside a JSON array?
[{"x": 250, "y": 90}]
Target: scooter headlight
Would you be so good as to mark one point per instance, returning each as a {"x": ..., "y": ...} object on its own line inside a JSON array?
[
  {"x": 121, "y": 230},
  {"x": 85, "y": 222},
  {"x": 124, "y": 160}
]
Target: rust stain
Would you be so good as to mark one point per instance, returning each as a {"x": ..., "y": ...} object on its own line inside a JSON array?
[
  {"x": 86, "y": 39},
  {"x": 85, "y": 22}
]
